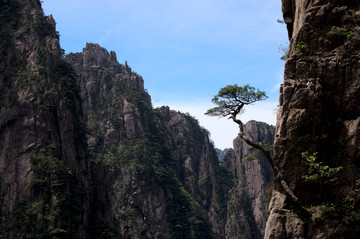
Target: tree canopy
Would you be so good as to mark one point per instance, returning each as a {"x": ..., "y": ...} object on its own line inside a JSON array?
[
  {"x": 231, "y": 99},
  {"x": 230, "y": 102}
]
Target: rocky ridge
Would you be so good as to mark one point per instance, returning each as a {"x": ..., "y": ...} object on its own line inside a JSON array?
[
  {"x": 198, "y": 167},
  {"x": 319, "y": 115},
  {"x": 44, "y": 169},
  {"x": 247, "y": 208},
  {"x": 124, "y": 115},
  {"x": 152, "y": 150},
  {"x": 84, "y": 154}
]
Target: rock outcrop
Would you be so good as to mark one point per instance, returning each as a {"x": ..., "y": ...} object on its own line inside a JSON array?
[
  {"x": 165, "y": 178},
  {"x": 84, "y": 155},
  {"x": 247, "y": 208},
  {"x": 118, "y": 114},
  {"x": 124, "y": 140},
  {"x": 111, "y": 95},
  {"x": 198, "y": 167},
  {"x": 319, "y": 118},
  {"x": 45, "y": 176}
]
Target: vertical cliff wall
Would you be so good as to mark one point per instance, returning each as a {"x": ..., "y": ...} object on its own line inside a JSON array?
[
  {"x": 44, "y": 171},
  {"x": 198, "y": 167},
  {"x": 117, "y": 112},
  {"x": 247, "y": 208},
  {"x": 319, "y": 113},
  {"x": 164, "y": 177},
  {"x": 154, "y": 159},
  {"x": 84, "y": 155},
  {"x": 125, "y": 145}
]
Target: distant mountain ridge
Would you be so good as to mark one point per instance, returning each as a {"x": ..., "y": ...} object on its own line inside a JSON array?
[{"x": 221, "y": 153}]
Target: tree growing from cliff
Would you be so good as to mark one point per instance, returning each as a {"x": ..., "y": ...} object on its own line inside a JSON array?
[{"x": 230, "y": 102}]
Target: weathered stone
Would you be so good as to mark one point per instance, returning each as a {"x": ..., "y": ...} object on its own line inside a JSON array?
[
  {"x": 282, "y": 223},
  {"x": 102, "y": 80},
  {"x": 254, "y": 175},
  {"x": 318, "y": 113},
  {"x": 198, "y": 166},
  {"x": 43, "y": 159}
]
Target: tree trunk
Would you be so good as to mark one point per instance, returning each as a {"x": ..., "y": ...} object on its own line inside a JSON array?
[{"x": 277, "y": 173}]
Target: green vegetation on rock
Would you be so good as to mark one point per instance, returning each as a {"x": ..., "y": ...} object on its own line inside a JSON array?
[{"x": 317, "y": 171}]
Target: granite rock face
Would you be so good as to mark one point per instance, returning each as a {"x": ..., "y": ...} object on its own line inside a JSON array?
[
  {"x": 107, "y": 89},
  {"x": 254, "y": 175},
  {"x": 44, "y": 169},
  {"x": 198, "y": 167},
  {"x": 164, "y": 175},
  {"x": 133, "y": 143},
  {"x": 84, "y": 155},
  {"x": 118, "y": 115},
  {"x": 319, "y": 113}
]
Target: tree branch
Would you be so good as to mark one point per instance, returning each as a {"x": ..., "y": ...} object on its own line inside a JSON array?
[
  {"x": 271, "y": 160},
  {"x": 231, "y": 100}
]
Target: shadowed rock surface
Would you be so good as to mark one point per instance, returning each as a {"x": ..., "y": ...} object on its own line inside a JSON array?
[
  {"x": 247, "y": 208},
  {"x": 164, "y": 172},
  {"x": 45, "y": 176},
  {"x": 319, "y": 112},
  {"x": 84, "y": 155}
]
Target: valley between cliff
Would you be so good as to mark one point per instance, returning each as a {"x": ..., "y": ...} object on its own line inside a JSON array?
[{"x": 83, "y": 153}]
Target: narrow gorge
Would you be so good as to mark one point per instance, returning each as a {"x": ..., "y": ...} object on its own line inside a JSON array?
[{"x": 84, "y": 154}]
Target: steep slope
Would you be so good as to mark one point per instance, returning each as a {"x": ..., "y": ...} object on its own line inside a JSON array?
[
  {"x": 117, "y": 113},
  {"x": 143, "y": 196},
  {"x": 84, "y": 155},
  {"x": 247, "y": 208},
  {"x": 44, "y": 171},
  {"x": 198, "y": 166},
  {"x": 318, "y": 119},
  {"x": 115, "y": 103}
]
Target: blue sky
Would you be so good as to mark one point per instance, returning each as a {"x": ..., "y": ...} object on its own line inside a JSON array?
[{"x": 186, "y": 50}]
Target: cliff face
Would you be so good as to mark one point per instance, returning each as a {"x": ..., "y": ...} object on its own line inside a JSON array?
[
  {"x": 150, "y": 155},
  {"x": 117, "y": 111},
  {"x": 44, "y": 171},
  {"x": 247, "y": 208},
  {"x": 131, "y": 196},
  {"x": 198, "y": 167},
  {"x": 84, "y": 155},
  {"x": 319, "y": 114},
  {"x": 114, "y": 100},
  {"x": 163, "y": 170}
]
